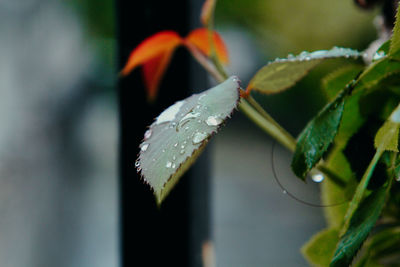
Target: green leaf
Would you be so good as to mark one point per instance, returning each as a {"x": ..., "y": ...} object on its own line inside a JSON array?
[
  {"x": 338, "y": 79},
  {"x": 377, "y": 72},
  {"x": 382, "y": 244},
  {"x": 318, "y": 135},
  {"x": 179, "y": 134},
  {"x": 352, "y": 119},
  {"x": 361, "y": 223},
  {"x": 395, "y": 40},
  {"x": 320, "y": 248},
  {"x": 333, "y": 196},
  {"x": 388, "y": 135},
  {"x": 284, "y": 73}
]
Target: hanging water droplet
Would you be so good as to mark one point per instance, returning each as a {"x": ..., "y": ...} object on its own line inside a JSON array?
[
  {"x": 137, "y": 163},
  {"x": 144, "y": 147},
  {"x": 198, "y": 137},
  {"x": 147, "y": 134},
  {"x": 284, "y": 191},
  {"x": 213, "y": 121},
  {"x": 169, "y": 164},
  {"x": 317, "y": 177},
  {"x": 398, "y": 178}
]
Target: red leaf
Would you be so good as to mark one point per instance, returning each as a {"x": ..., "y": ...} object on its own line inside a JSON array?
[
  {"x": 153, "y": 71},
  {"x": 152, "y": 47},
  {"x": 200, "y": 39},
  {"x": 207, "y": 11}
]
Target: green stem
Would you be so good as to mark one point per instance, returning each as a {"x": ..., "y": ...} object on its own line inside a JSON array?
[
  {"x": 359, "y": 194},
  {"x": 265, "y": 114},
  {"x": 267, "y": 126}
]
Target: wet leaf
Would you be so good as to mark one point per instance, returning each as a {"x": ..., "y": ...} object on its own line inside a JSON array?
[
  {"x": 283, "y": 73},
  {"x": 179, "y": 134},
  {"x": 201, "y": 40},
  {"x": 318, "y": 135},
  {"x": 361, "y": 223},
  {"x": 320, "y": 248}
]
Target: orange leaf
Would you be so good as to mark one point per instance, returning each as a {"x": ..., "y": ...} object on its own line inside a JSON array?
[
  {"x": 153, "y": 71},
  {"x": 150, "y": 48},
  {"x": 207, "y": 11},
  {"x": 200, "y": 39}
]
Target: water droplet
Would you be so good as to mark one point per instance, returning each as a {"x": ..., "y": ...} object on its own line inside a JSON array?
[
  {"x": 144, "y": 147},
  {"x": 185, "y": 142},
  {"x": 198, "y": 137},
  {"x": 137, "y": 164},
  {"x": 182, "y": 152},
  {"x": 398, "y": 178},
  {"x": 176, "y": 145},
  {"x": 147, "y": 134},
  {"x": 173, "y": 157},
  {"x": 163, "y": 151},
  {"x": 173, "y": 165},
  {"x": 170, "y": 113},
  {"x": 317, "y": 177},
  {"x": 169, "y": 164},
  {"x": 154, "y": 160},
  {"x": 284, "y": 191},
  {"x": 213, "y": 121},
  {"x": 182, "y": 146},
  {"x": 185, "y": 119}
]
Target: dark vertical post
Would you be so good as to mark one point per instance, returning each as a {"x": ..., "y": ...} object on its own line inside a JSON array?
[{"x": 173, "y": 234}]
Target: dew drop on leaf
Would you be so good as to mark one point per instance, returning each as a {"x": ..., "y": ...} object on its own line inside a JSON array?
[
  {"x": 144, "y": 147},
  {"x": 198, "y": 137},
  {"x": 170, "y": 113},
  {"x": 169, "y": 164},
  {"x": 213, "y": 121},
  {"x": 147, "y": 134},
  {"x": 317, "y": 177}
]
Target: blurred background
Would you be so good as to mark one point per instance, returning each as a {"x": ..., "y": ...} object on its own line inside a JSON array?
[{"x": 59, "y": 134}]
